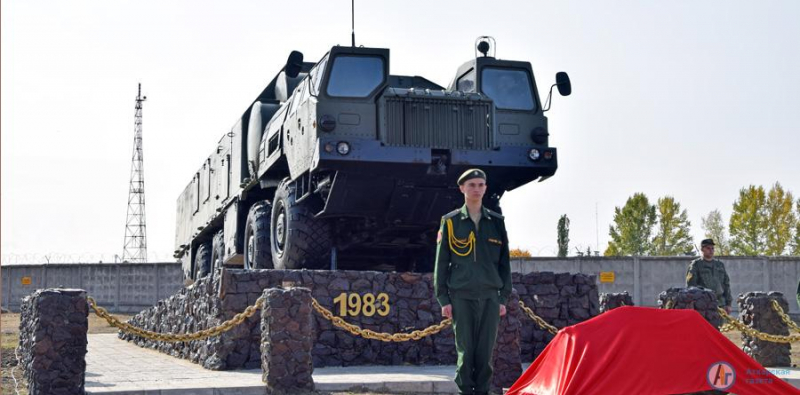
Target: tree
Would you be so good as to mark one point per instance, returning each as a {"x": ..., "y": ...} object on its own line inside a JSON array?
[
  {"x": 748, "y": 221},
  {"x": 714, "y": 229},
  {"x": 563, "y": 236},
  {"x": 612, "y": 250},
  {"x": 672, "y": 237},
  {"x": 781, "y": 220},
  {"x": 633, "y": 225},
  {"x": 519, "y": 253},
  {"x": 796, "y": 243}
]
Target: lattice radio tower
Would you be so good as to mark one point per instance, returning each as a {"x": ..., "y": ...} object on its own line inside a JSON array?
[{"x": 135, "y": 230}]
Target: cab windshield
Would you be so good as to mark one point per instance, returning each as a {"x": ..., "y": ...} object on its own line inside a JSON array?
[
  {"x": 355, "y": 76},
  {"x": 509, "y": 88}
]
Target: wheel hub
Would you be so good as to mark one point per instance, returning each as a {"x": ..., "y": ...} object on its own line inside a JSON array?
[
  {"x": 250, "y": 251},
  {"x": 280, "y": 229}
]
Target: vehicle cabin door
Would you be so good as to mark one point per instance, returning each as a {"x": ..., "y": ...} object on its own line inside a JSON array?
[{"x": 297, "y": 132}]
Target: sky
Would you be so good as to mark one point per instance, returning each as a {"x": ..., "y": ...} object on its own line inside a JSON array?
[{"x": 689, "y": 99}]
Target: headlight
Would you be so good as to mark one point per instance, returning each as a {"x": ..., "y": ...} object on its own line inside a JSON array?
[
  {"x": 327, "y": 123},
  {"x": 533, "y": 154},
  {"x": 343, "y": 148}
]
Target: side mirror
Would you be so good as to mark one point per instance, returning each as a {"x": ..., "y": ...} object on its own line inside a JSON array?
[
  {"x": 564, "y": 86},
  {"x": 295, "y": 63}
]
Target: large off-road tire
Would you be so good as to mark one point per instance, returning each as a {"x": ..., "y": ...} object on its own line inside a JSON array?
[
  {"x": 299, "y": 241},
  {"x": 202, "y": 261},
  {"x": 257, "y": 253},
  {"x": 217, "y": 251}
]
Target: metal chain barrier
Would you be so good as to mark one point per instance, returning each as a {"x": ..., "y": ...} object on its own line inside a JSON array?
[
  {"x": 249, "y": 311},
  {"x": 382, "y": 336},
  {"x": 177, "y": 337},
  {"x": 756, "y": 334},
  {"x": 669, "y": 305},
  {"x": 539, "y": 320},
  {"x": 785, "y": 317}
]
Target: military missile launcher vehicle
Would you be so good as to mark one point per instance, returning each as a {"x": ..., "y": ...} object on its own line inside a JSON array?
[{"x": 340, "y": 163}]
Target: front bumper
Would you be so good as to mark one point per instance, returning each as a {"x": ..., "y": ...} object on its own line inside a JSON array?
[{"x": 506, "y": 167}]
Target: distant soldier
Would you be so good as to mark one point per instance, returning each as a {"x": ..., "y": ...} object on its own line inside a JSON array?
[
  {"x": 710, "y": 273},
  {"x": 798, "y": 294},
  {"x": 472, "y": 281}
]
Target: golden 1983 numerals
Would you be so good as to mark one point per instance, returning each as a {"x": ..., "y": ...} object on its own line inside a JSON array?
[{"x": 353, "y": 304}]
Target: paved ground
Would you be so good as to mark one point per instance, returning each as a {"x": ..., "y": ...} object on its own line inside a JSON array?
[
  {"x": 121, "y": 368},
  {"x": 117, "y": 367}
]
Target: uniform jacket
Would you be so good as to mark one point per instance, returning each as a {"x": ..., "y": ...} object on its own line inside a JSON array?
[
  {"x": 712, "y": 275},
  {"x": 486, "y": 271}
]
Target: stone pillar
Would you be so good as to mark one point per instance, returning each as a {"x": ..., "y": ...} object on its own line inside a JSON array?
[
  {"x": 756, "y": 312},
  {"x": 612, "y": 300},
  {"x": 506, "y": 362},
  {"x": 286, "y": 340},
  {"x": 700, "y": 299},
  {"x": 52, "y": 340}
]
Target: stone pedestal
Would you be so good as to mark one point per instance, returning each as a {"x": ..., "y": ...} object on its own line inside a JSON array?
[
  {"x": 560, "y": 298},
  {"x": 506, "y": 362},
  {"x": 52, "y": 340},
  {"x": 700, "y": 299},
  {"x": 612, "y": 300},
  {"x": 286, "y": 340},
  {"x": 756, "y": 312}
]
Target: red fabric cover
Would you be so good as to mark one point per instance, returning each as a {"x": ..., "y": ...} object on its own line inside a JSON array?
[{"x": 640, "y": 350}]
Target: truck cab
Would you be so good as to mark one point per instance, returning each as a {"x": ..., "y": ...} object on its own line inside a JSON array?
[{"x": 343, "y": 164}]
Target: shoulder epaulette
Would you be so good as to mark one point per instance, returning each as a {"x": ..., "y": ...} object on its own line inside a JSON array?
[
  {"x": 451, "y": 214},
  {"x": 494, "y": 214}
]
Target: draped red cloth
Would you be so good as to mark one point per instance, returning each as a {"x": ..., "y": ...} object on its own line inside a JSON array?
[{"x": 640, "y": 350}]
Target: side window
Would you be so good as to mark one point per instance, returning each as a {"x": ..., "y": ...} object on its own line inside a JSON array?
[
  {"x": 316, "y": 75},
  {"x": 466, "y": 83}
]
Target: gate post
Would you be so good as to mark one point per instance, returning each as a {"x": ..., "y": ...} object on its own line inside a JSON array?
[
  {"x": 52, "y": 340},
  {"x": 702, "y": 300},
  {"x": 286, "y": 340},
  {"x": 755, "y": 310}
]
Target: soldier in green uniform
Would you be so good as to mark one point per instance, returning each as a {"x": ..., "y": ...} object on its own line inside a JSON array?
[
  {"x": 708, "y": 272},
  {"x": 472, "y": 281},
  {"x": 798, "y": 294}
]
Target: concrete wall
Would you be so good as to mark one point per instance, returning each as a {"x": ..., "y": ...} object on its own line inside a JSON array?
[
  {"x": 133, "y": 287},
  {"x": 645, "y": 277},
  {"x": 121, "y": 288}
]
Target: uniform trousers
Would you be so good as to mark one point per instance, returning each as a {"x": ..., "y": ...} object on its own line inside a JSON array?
[{"x": 475, "y": 326}]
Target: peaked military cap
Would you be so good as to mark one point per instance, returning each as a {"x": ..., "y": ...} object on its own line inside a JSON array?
[
  {"x": 707, "y": 242},
  {"x": 470, "y": 174}
]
